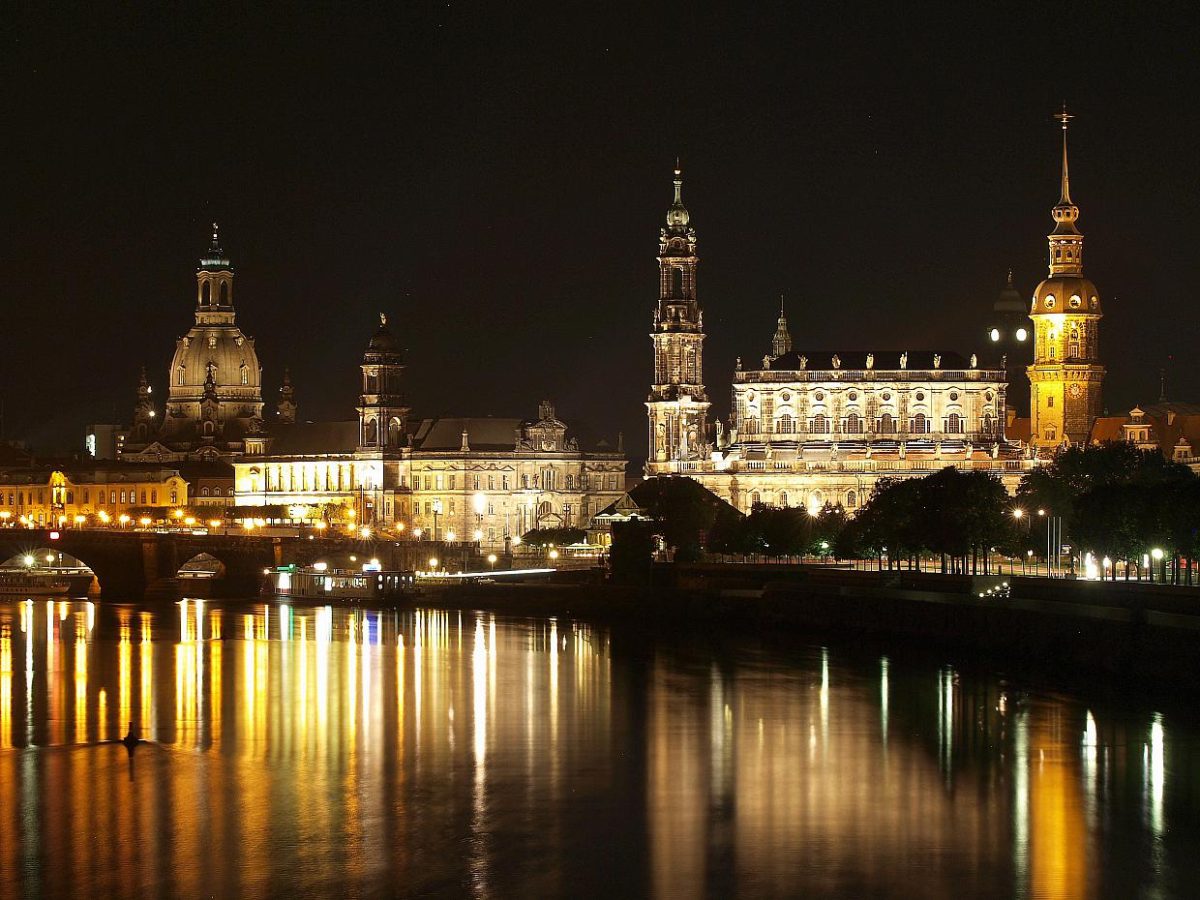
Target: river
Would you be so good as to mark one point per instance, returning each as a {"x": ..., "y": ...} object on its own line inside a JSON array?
[{"x": 308, "y": 750}]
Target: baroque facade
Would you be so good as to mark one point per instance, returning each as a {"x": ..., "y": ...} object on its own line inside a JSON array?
[
  {"x": 813, "y": 427},
  {"x": 38, "y": 496},
  {"x": 1066, "y": 376},
  {"x": 480, "y": 479},
  {"x": 214, "y": 395}
]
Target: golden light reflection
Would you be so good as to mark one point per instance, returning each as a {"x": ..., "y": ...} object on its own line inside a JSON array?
[{"x": 6, "y": 673}]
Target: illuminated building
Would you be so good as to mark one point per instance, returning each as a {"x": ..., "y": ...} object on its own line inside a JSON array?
[
  {"x": 813, "y": 427},
  {"x": 103, "y": 493},
  {"x": 481, "y": 479},
  {"x": 677, "y": 406},
  {"x": 1066, "y": 376},
  {"x": 214, "y": 394}
]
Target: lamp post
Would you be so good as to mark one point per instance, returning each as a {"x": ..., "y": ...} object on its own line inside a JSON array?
[{"x": 437, "y": 509}]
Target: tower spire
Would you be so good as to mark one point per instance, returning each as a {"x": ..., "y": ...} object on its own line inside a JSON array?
[
  {"x": 677, "y": 215},
  {"x": 1064, "y": 117},
  {"x": 781, "y": 343}
]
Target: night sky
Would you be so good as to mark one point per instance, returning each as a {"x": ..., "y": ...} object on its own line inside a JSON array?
[{"x": 494, "y": 178}]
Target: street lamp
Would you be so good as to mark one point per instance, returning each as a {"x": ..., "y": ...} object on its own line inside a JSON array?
[
  {"x": 437, "y": 511},
  {"x": 492, "y": 560},
  {"x": 1157, "y": 555}
]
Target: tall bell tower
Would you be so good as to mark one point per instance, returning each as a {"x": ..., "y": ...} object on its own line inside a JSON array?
[
  {"x": 677, "y": 407},
  {"x": 1066, "y": 376}
]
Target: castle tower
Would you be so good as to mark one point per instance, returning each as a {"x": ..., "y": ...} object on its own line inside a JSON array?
[
  {"x": 1010, "y": 342},
  {"x": 677, "y": 407},
  {"x": 285, "y": 410},
  {"x": 382, "y": 415},
  {"x": 1066, "y": 376},
  {"x": 781, "y": 343}
]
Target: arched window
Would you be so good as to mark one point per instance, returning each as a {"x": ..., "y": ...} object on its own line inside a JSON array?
[
  {"x": 205, "y": 293},
  {"x": 752, "y": 425},
  {"x": 887, "y": 425},
  {"x": 677, "y": 282},
  {"x": 394, "y": 432},
  {"x": 372, "y": 383},
  {"x": 210, "y": 428},
  {"x": 755, "y": 499},
  {"x": 853, "y": 424},
  {"x": 820, "y": 425},
  {"x": 783, "y": 501},
  {"x": 851, "y": 500},
  {"x": 787, "y": 425},
  {"x": 954, "y": 424},
  {"x": 370, "y": 432},
  {"x": 919, "y": 424},
  {"x": 224, "y": 293},
  {"x": 1073, "y": 346},
  {"x": 203, "y": 492},
  {"x": 179, "y": 375},
  {"x": 245, "y": 373},
  {"x": 989, "y": 424}
]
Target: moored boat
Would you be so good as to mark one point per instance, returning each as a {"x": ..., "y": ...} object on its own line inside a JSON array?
[{"x": 316, "y": 583}]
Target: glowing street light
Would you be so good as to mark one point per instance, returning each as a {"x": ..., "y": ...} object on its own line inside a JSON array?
[
  {"x": 450, "y": 536},
  {"x": 1017, "y": 513},
  {"x": 554, "y": 554},
  {"x": 492, "y": 560},
  {"x": 28, "y": 560},
  {"x": 1157, "y": 554},
  {"x": 433, "y": 562},
  {"x": 478, "y": 534},
  {"x": 123, "y": 519},
  {"x": 365, "y": 532}
]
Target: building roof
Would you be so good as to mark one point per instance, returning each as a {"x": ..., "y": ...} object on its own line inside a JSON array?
[
  {"x": 856, "y": 360},
  {"x": 313, "y": 438},
  {"x": 483, "y": 433}
]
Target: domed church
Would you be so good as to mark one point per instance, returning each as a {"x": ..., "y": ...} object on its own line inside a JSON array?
[{"x": 214, "y": 398}]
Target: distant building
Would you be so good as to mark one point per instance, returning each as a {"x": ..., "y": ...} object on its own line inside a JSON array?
[
  {"x": 103, "y": 492},
  {"x": 1066, "y": 376},
  {"x": 814, "y": 426},
  {"x": 1170, "y": 427},
  {"x": 476, "y": 479},
  {"x": 1010, "y": 346},
  {"x": 214, "y": 394}
]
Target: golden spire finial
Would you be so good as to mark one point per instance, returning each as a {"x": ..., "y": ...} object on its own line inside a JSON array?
[
  {"x": 781, "y": 305},
  {"x": 1065, "y": 117}
]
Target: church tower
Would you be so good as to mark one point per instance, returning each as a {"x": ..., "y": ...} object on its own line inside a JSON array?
[
  {"x": 781, "y": 343},
  {"x": 285, "y": 410},
  {"x": 382, "y": 415},
  {"x": 1066, "y": 375},
  {"x": 677, "y": 406}
]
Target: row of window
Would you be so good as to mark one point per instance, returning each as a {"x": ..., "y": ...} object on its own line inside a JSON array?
[
  {"x": 885, "y": 424},
  {"x": 19, "y": 499},
  {"x": 815, "y": 501},
  {"x": 547, "y": 480}
]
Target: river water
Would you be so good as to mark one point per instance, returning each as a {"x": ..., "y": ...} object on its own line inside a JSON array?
[{"x": 308, "y": 750}]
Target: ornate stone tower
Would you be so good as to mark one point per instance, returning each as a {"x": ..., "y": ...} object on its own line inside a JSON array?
[
  {"x": 781, "y": 343},
  {"x": 382, "y": 415},
  {"x": 285, "y": 410},
  {"x": 677, "y": 406},
  {"x": 1066, "y": 376},
  {"x": 214, "y": 350}
]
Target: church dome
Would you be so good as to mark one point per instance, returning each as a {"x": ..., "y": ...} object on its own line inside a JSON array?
[
  {"x": 1066, "y": 294},
  {"x": 229, "y": 353},
  {"x": 383, "y": 341}
]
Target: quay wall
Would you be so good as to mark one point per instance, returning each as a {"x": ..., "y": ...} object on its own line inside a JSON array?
[{"x": 1141, "y": 632}]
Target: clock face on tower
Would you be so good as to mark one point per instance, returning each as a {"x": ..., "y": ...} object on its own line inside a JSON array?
[{"x": 1075, "y": 391}]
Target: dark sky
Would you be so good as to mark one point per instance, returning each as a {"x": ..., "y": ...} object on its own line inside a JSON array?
[{"x": 495, "y": 177}]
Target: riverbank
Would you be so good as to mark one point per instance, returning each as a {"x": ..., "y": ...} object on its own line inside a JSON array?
[{"x": 1135, "y": 632}]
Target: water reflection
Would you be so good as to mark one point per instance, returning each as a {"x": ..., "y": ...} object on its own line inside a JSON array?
[{"x": 359, "y": 751}]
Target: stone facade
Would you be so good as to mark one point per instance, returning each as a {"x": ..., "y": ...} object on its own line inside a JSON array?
[
  {"x": 481, "y": 479},
  {"x": 41, "y": 496},
  {"x": 1066, "y": 377},
  {"x": 811, "y": 427},
  {"x": 214, "y": 394}
]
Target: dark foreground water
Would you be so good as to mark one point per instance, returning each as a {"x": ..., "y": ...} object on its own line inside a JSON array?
[{"x": 306, "y": 751}]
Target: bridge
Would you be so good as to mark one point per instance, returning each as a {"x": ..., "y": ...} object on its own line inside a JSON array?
[{"x": 129, "y": 564}]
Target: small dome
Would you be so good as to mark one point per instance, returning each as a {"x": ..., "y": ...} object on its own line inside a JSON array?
[
  {"x": 383, "y": 342},
  {"x": 1066, "y": 294},
  {"x": 1009, "y": 300}
]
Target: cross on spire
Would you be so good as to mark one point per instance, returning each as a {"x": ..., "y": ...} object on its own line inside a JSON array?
[{"x": 1065, "y": 117}]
